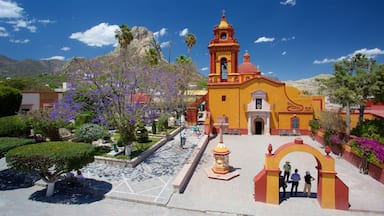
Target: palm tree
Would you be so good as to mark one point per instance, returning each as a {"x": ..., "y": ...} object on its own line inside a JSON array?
[
  {"x": 124, "y": 36},
  {"x": 190, "y": 40},
  {"x": 151, "y": 57}
]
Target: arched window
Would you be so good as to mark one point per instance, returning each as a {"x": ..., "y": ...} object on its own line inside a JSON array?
[
  {"x": 295, "y": 122},
  {"x": 224, "y": 69}
]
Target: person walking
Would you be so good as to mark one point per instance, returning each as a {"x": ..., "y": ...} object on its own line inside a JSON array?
[
  {"x": 287, "y": 170},
  {"x": 282, "y": 183},
  {"x": 295, "y": 177},
  {"x": 307, "y": 187},
  {"x": 183, "y": 139}
]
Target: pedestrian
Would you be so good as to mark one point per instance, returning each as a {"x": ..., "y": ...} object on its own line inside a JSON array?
[
  {"x": 183, "y": 139},
  {"x": 282, "y": 183},
  {"x": 307, "y": 187},
  {"x": 295, "y": 177},
  {"x": 287, "y": 170}
]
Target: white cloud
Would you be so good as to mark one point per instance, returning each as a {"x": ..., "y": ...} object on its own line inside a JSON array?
[
  {"x": 9, "y": 9},
  {"x": 288, "y": 39},
  {"x": 264, "y": 39},
  {"x": 46, "y": 21},
  {"x": 19, "y": 41},
  {"x": 183, "y": 32},
  {"x": 284, "y": 53},
  {"x": 100, "y": 35},
  {"x": 165, "y": 44},
  {"x": 160, "y": 33},
  {"x": 18, "y": 24},
  {"x": 65, "y": 48},
  {"x": 62, "y": 58},
  {"x": 288, "y": 2},
  {"x": 3, "y": 32},
  {"x": 204, "y": 69},
  {"x": 369, "y": 53}
]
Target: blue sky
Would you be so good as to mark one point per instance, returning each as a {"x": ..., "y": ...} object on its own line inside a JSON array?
[{"x": 289, "y": 39}]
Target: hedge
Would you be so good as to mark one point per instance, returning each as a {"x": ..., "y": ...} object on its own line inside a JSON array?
[
  {"x": 7, "y": 143},
  {"x": 50, "y": 159},
  {"x": 13, "y": 126}
]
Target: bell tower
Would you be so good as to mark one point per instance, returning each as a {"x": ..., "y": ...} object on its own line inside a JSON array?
[{"x": 223, "y": 50}]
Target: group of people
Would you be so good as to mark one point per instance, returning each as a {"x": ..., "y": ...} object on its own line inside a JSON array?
[{"x": 294, "y": 180}]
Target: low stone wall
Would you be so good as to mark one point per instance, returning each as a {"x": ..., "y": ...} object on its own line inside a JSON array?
[
  {"x": 135, "y": 161},
  {"x": 185, "y": 174}
]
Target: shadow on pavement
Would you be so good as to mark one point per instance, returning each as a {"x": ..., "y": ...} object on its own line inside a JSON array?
[
  {"x": 66, "y": 193},
  {"x": 11, "y": 179},
  {"x": 299, "y": 195}
]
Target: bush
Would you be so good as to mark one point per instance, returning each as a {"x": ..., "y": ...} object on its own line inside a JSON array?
[
  {"x": 10, "y": 101},
  {"x": 13, "y": 126},
  {"x": 163, "y": 122},
  {"x": 50, "y": 159},
  {"x": 371, "y": 129},
  {"x": 43, "y": 122},
  {"x": 83, "y": 118},
  {"x": 7, "y": 143},
  {"x": 90, "y": 132},
  {"x": 142, "y": 134}
]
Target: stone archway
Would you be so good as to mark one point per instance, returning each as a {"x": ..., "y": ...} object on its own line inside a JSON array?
[{"x": 331, "y": 191}]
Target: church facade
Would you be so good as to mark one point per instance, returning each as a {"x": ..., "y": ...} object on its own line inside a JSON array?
[{"x": 252, "y": 103}]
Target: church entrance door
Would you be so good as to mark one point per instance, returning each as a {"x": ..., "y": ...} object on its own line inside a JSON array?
[{"x": 259, "y": 126}]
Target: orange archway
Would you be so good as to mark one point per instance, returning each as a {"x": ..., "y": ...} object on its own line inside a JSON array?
[{"x": 331, "y": 191}]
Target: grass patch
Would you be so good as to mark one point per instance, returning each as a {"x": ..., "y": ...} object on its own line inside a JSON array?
[{"x": 8, "y": 143}]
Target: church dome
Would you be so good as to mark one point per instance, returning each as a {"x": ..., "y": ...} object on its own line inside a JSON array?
[{"x": 247, "y": 67}]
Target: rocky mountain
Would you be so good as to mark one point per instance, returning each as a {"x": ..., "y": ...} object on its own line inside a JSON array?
[
  {"x": 309, "y": 85},
  {"x": 28, "y": 67}
]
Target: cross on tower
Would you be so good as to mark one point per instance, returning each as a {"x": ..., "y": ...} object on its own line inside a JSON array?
[{"x": 223, "y": 13}]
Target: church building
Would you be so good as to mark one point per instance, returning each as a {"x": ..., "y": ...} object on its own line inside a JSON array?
[{"x": 252, "y": 103}]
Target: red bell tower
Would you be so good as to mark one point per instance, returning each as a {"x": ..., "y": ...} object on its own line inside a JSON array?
[{"x": 223, "y": 50}]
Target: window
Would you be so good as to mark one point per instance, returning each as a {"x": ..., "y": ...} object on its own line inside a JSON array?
[
  {"x": 224, "y": 69},
  {"x": 223, "y": 98},
  {"x": 294, "y": 122},
  {"x": 258, "y": 103},
  {"x": 223, "y": 36}
]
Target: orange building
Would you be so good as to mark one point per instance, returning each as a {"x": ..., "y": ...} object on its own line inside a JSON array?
[{"x": 253, "y": 103}]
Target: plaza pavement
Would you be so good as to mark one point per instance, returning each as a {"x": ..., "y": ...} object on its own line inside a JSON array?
[{"x": 147, "y": 189}]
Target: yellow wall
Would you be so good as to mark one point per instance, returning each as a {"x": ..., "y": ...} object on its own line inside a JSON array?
[{"x": 238, "y": 96}]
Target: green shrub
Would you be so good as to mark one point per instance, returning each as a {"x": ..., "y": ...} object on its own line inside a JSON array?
[
  {"x": 371, "y": 129},
  {"x": 163, "y": 122},
  {"x": 10, "y": 101},
  {"x": 43, "y": 123},
  {"x": 142, "y": 134},
  {"x": 50, "y": 159},
  {"x": 90, "y": 132},
  {"x": 13, "y": 126},
  {"x": 83, "y": 118},
  {"x": 7, "y": 143}
]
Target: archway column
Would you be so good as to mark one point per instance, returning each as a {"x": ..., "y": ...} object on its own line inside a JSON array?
[{"x": 326, "y": 189}]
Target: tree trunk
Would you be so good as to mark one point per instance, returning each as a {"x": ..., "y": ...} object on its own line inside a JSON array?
[
  {"x": 50, "y": 189},
  {"x": 361, "y": 114},
  {"x": 347, "y": 119},
  {"x": 128, "y": 149}
]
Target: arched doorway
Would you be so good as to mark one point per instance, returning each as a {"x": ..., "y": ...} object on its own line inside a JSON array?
[
  {"x": 258, "y": 126},
  {"x": 331, "y": 191}
]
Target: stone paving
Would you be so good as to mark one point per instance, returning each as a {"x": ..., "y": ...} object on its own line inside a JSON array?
[
  {"x": 147, "y": 189},
  {"x": 151, "y": 180}
]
